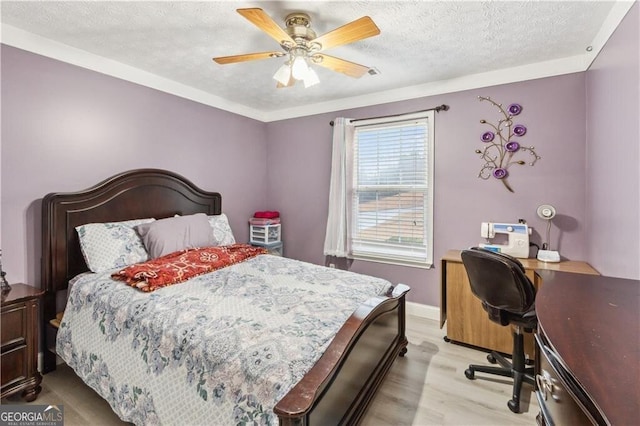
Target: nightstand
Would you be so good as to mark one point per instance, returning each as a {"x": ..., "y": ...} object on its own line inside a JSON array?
[{"x": 20, "y": 325}]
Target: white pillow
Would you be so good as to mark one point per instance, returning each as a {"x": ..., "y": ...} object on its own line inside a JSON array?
[
  {"x": 112, "y": 244},
  {"x": 222, "y": 233}
]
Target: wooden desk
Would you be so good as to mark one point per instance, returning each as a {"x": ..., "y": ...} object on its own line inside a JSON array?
[
  {"x": 589, "y": 334},
  {"x": 467, "y": 322}
]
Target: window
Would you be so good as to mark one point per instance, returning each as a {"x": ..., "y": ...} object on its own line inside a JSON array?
[{"x": 392, "y": 190}]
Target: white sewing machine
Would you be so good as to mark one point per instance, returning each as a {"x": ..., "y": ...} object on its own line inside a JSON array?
[{"x": 517, "y": 244}]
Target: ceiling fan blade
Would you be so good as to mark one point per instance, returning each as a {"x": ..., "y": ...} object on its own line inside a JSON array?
[
  {"x": 357, "y": 30},
  {"x": 340, "y": 65},
  {"x": 246, "y": 57},
  {"x": 263, "y": 21}
]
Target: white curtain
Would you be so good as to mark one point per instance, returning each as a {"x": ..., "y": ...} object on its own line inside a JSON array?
[{"x": 336, "y": 238}]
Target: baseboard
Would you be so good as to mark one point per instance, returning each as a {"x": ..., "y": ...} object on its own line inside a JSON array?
[{"x": 423, "y": 311}]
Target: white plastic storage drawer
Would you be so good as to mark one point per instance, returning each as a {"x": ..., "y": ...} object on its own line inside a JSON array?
[
  {"x": 275, "y": 249},
  {"x": 267, "y": 234}
]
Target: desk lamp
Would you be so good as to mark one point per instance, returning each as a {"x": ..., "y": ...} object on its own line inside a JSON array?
[{"x": 547, "y": 212}]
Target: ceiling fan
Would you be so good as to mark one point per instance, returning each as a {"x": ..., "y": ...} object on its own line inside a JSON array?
[{"x": 301, "y": 46}]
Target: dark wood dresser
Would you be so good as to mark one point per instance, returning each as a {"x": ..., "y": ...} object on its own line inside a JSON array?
[
  {"x": 588, "y": 368},
  {"x": 19, "y": 324}
]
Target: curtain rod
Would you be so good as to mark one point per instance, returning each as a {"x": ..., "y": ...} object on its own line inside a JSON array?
[{"x": 439, "y": 108}]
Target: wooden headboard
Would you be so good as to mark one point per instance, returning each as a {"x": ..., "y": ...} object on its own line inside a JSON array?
[{"x": 134, "y": 194}]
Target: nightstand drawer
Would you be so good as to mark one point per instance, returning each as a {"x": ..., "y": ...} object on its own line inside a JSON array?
[
  {"x": 14, "y": 366},
  {"x": 20, "y": 332},
  {"x": 14, "y": 321}
]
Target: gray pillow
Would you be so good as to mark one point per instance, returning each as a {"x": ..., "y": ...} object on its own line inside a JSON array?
[{"x": 166, "y": 236}]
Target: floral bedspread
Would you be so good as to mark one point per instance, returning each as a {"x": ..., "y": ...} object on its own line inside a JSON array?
[{"x": 220, "y": 349}]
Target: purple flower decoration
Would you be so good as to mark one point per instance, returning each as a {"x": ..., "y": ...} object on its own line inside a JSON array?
[
  {"x": 500, "y": 173},
  {"x": 515, "y": 109},
  {"x": 488, "y": 136},
  {"x": 512, "y": 146},
  {"x": 519, "y": 130}
]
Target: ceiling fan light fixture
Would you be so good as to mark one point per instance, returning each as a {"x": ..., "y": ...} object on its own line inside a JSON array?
[
  {"x": 301, "y": 44},
  {"x": 299, "y": 68},
  {"x": 283, "y": 75},
  {"x": 311, "y": 79}
]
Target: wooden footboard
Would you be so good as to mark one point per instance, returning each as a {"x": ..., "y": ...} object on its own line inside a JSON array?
[{"x": 340, "y": 386}]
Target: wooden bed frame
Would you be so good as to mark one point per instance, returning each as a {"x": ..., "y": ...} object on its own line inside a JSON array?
[{"x": 337, "y": 390}]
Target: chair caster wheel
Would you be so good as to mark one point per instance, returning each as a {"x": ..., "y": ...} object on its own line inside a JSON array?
[
  {"x": 514, "y": 406},
  {"x": 469, "y": 374},
  {"x": 492, "y": 359}
]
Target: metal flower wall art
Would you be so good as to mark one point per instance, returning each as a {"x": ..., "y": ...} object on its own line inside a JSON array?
[{"x": 501, "y": 148}]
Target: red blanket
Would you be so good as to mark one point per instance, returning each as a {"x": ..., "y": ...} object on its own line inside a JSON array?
[{"x": 177, "y": 267}]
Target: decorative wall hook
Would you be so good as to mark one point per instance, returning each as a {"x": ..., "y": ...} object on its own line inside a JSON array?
[{"x": 499, "y": 148}]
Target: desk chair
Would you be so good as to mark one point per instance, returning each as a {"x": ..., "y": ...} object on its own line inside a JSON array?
[{"x": 508, "y": 296}]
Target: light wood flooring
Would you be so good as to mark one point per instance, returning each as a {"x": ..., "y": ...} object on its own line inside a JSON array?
[{"x": 426, "y": 387}]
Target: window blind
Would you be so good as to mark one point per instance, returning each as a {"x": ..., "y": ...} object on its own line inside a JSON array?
[{"x": 391, "y": 197}]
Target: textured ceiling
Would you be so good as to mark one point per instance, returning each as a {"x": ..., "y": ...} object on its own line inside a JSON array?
[{"x": 421, "y": 42}]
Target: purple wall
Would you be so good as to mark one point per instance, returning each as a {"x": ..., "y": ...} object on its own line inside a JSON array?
[
  {"x": 613, "y": 153},
  {"x": 65, "y": 128},
  {"x": 596, "y": 196},
  {"x": 554, "y": 113}
]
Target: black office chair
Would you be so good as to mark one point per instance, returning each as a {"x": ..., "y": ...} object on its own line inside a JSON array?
[{"x": 508, "y": 296}]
